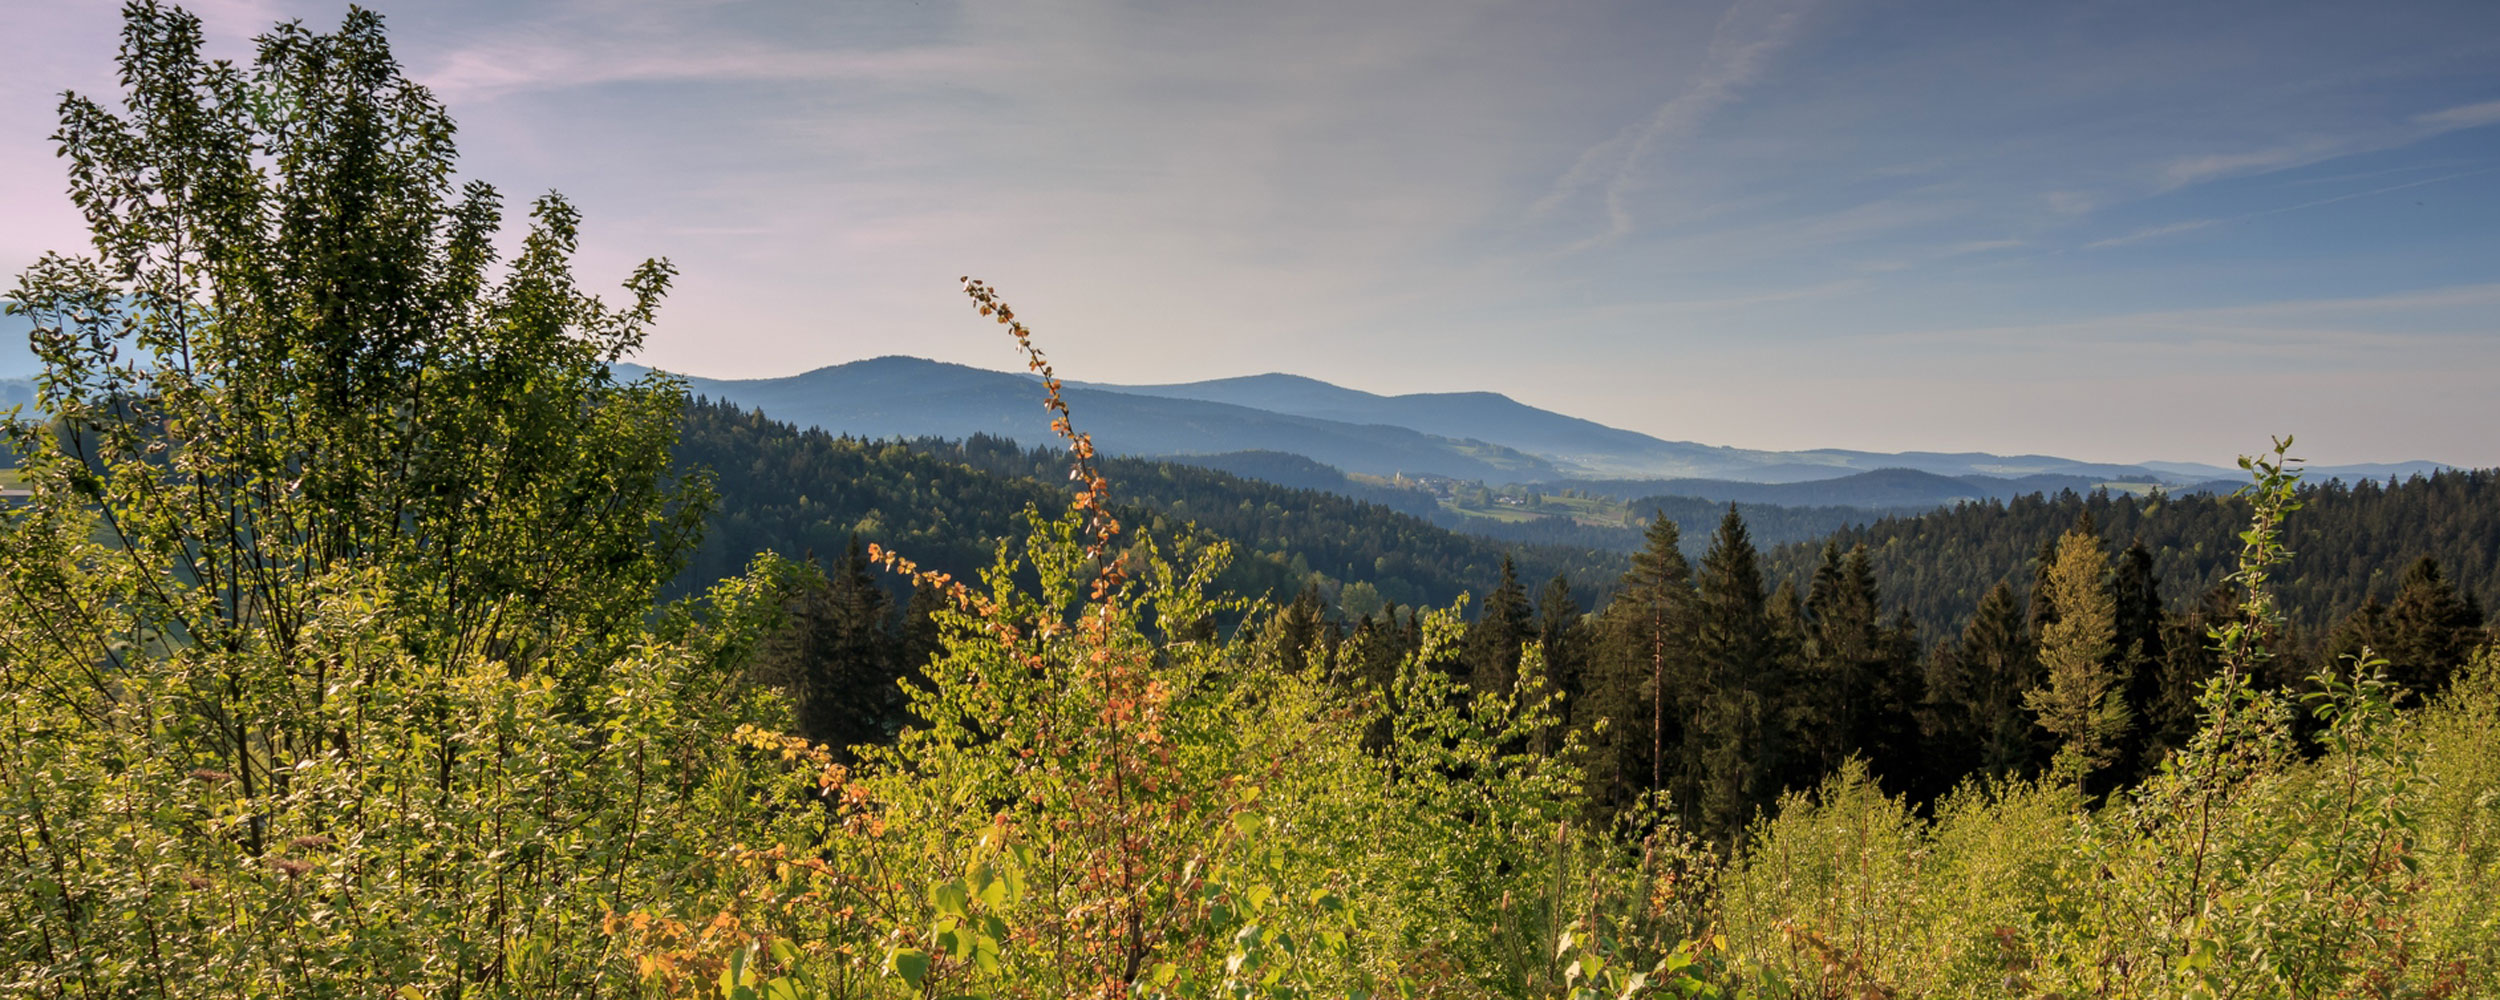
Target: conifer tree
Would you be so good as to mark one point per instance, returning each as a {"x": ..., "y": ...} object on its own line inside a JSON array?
[
  {"x": 1975, "y": 690},
  {"x": 1731, "y": 745},
  {"x": 838, "y": 655},
  {"x": 2135, "y": 593},
  {"x": 2170, "y": 716},
  {"x": 1493, "y": 642},
  {"x": 2081, "y": 701},
  {"x": 1849, "y": 690},
  {"x": 2431, "y": 629},
  {"x": 1652, "y": 634},
  {"x": 2041, "y": 611},
  {"x": 1298, "y": 627},
  {"x": 1562, "y": 641}
]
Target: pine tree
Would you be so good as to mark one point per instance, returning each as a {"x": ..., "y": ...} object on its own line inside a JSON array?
[
  {"x": 2170, "y": 716},
  {"x": 1975, "y": 692},
  {"x": 2431, "y": 629},
  {"x": 2137, "y": 619},
  {"x": 1492, "y": 644},
  {"x": 839, "y": 656},
  {"x": 1368, "y": 663},
  {"x": 1731, "y": 745},
  {"x": 1562, "y": 642},
  {"x": 2364, "y": 632},
  {"x": 1851, "y": 691},
  {"x": 1298, "y": 627},
  {"x": 2081, "y": 701},
  {"x": 1658, "y": 596},
  {"x": 2041, "y": 611}
]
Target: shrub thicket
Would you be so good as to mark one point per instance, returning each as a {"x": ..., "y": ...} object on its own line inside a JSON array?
[{"x": 333, "y": 668}]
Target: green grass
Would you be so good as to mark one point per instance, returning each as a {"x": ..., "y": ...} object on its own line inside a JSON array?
[
  {"x": 1596, "y": 511},
  {"x": 1497, "y": 512}
]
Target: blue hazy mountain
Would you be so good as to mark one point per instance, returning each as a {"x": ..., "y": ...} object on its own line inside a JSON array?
[
  {"x": 1879, "y": 489},
  {"x": 1587, "y": 449},
  {"x": 1580, "y": 447},
  {"x": 910, "y": 397},
  {"x": 1463, "y": 435}
]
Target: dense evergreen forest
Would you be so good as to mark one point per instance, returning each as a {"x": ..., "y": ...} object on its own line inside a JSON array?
[
  {"x": 340, "y": 660},
  {"x": 2353, "y": 544},
  {"x": 1771, "y": 524},
  {"x": 802, "y": 492}
]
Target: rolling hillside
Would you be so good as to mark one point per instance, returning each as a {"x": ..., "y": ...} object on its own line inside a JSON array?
[
  {"x": 947, "y": 502},
  {"x": 908, "y": 397},
  {"x": 1474, "y": 436}
]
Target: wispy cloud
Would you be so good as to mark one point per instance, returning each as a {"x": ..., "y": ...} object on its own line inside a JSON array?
[
  {"x": 2201, "y": 168},
  {"x": 2461, "y": 117},
  {"x": 1741, "y": 45},
  {"x": 2151, "y": 232},
  {"x": 2198, "y": 169},
  {"x": 2446, "y": 317},
  {"x": 1984, "y": 246},
  {"x": 2192, "y": 225},
  {"x": 497, "y": 68}
]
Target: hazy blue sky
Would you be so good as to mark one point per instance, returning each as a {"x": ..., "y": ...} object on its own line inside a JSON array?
[{"x": 2118, "y": 231}]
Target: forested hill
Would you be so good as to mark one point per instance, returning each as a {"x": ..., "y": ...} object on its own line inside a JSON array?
[
  {"x": 946, "y": 503},
  {"x": 2349, "y": 543}
]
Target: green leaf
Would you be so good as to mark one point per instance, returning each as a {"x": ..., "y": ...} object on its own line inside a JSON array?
[
  {"x": 1012, "y": 876},
  {"x": 911, "y": 964},
  {"x": 734, "y": 974}
]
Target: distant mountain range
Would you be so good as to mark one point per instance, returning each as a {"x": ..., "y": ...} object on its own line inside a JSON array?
[
  {"x": 1482, "y": 436},
  {"x": 910, "y": 397},
  {"x": 1881, "y": 489},
  {"x": 1587, "y": 449}
]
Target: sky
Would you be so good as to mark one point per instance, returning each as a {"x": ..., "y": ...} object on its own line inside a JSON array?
[{"x": 2115, "y": 231}]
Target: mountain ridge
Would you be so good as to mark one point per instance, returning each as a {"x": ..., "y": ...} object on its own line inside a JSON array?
[{"x": 1469, "y": 435}]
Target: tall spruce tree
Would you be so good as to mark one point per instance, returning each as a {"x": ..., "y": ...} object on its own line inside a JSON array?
[
  {"x": 1975, "y": 692},
  {"x": 1301, "y": 626},
  {"x": 2171, "y": 715},
  {"x": 1562, "y": 642},
  {"x": 1652, "y": 636},
  {"x": 1493, "y": 642},
  {"x": 1860, "y": 684},
  {"x": 1732, "y": 738},
  {"x": 839, "y": 654},
  {"x": 2138, "y": 619},
  {"x": 2081, "y": 701},
  {"x": 2431, "y": 629}
]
